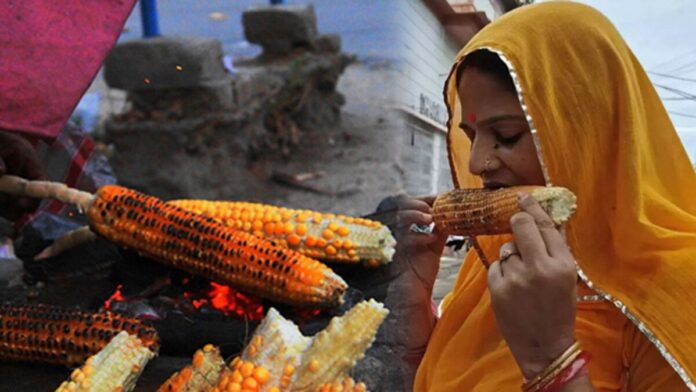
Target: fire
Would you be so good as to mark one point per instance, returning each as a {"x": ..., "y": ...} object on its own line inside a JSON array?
[
  {"x": 230, "y": 301},
  {"x": 217, "y": 296},
  {"x": 116, "y": 296}
]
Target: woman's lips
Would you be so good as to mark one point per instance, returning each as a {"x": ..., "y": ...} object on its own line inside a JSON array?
[{"x": 494, "y": 185}]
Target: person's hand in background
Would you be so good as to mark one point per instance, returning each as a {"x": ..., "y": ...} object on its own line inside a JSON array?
[{"x": 18, "y": 157}]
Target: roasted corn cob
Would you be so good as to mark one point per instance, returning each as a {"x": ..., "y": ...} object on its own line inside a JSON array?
[
  {"x": 329, "y": 237},
  {"x": 195, "y": 243},
  {"x": 278, "y": 345},
  {"x": 203, "y": 246},
  {"x": 116, "y": 367},
  {"x": 336, "y": 349},
  {"x": 49, "y": 334},
  {"x": 203, "y": 373},
  {"x": 485, "y": 212}
]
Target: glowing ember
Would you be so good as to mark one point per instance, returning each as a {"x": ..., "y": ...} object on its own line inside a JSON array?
[
  {"x": 229, "y": 300},
  {"x": 220, "y": 297},
  {"x": 116, "y": 296},
  {"x": 307, "y": 314}
]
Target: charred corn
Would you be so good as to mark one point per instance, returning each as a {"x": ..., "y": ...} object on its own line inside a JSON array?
[
  {"x": 116, "y": 367},
  {"x": 486, "y": 212},
  {"x": 49, "y": 334},
  {"x": 201, "y": 245},
  {"x": 203, "y": 373},
  {"x": 194, "y": 243},
  {"x": 336, "y": 349},
  {"x": 330, "y": 237}
]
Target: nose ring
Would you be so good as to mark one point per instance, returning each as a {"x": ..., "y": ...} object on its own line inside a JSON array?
[{"x": 486, "y": 164}]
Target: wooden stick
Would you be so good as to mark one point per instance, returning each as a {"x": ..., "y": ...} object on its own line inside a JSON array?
[
  {"x": 67, "y": 241},
  {"x": 18, "y": 186}
]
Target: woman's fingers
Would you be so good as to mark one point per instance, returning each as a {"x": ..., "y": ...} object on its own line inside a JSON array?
[
  {"x": 554, "y": 242},
  {"x": 406, "y": 218},
  {"x": 413, "y": 204},
  {"x": 527, "y": 237}
]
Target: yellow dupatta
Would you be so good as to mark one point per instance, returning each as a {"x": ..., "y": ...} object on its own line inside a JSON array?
[{"x": 601, "y": 131}]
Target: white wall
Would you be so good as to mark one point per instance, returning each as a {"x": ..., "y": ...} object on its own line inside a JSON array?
[{"x": 427, "y": 54}]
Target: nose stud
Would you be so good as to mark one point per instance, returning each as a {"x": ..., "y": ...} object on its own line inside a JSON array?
[{"x": 486, "y": 164}]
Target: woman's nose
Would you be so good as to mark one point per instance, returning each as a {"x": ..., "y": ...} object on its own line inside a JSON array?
[{"x": 482, "y": 158}]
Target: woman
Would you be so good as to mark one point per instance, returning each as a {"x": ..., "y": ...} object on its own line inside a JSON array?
[{"x": 551, "y": 94}]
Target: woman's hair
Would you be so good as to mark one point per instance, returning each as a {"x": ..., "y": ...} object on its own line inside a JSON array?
[{"x": 489, "y": 63}]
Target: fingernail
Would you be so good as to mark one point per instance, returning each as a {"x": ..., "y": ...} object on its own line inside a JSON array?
[{"x": 521, "y": 196}]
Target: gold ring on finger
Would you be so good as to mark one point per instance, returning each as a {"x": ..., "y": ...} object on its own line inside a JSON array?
[{"x": 506, "y": 254}]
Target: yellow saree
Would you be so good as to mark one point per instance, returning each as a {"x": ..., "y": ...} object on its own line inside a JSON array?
[{"x": 600, "y": 130}]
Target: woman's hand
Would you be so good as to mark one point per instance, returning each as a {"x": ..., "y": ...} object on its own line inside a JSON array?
[
  {"x": 410, "y": 294},
  {"x": 17, "y": 157},
  {"x": 533, "y": 290},
  {"x": 422, "y": 251}
]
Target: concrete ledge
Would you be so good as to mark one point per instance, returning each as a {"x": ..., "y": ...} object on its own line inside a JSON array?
[
  {"x": 164, "y": 63},
  {"x": 280, "y": 29}
]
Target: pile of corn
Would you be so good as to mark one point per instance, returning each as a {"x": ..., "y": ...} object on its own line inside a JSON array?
[
  {"x": 330, "y": 237},
  {"x": 279, "y": 358}
]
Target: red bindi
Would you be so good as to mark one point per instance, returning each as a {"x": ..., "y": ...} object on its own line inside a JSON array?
[{"x": 472, "y": 117}]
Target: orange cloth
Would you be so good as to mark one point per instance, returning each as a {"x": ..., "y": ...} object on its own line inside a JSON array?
[{"x": 602, "y": 132}]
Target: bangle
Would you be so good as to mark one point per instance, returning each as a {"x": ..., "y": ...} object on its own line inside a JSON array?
[
  {"x": 555, "y": 367},
  {"x": 577, "y": 368}
]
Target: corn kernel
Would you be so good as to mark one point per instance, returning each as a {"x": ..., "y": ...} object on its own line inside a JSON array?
[
  {"x": 198, "y": 359},
  {"x": 289, "y": 370},
  {"x": 237, "y": 376},
  {"x": 208, "y": 348},
  {"x": 313, "y": 365},
  {"x": 310, "y": 241},
  {"x": 261, "y": 375},
  {"x": 333, "y": 226},
  {"x": 234, "y": 387},
  {"x": 301, "y": 229},
  {"x": 236, "y": 363},
  {"x": 328, "y": 234},
  {"x": 330, "y": 250},
  {"x": 343, "y": 231},
  {"x": 247, "y": 369},
  {"x": 250, "y": 383}
]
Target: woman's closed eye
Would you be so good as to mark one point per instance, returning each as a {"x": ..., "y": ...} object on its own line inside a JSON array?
[{"x": 506, "y": 139}]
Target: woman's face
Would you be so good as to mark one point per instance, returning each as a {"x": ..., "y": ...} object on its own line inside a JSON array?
[{"x": 502, "y": 148}]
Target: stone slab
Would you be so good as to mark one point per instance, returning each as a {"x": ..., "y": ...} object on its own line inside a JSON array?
[
  {"x": 281, "y": 28},
  {"x": 164, "y": 63}
]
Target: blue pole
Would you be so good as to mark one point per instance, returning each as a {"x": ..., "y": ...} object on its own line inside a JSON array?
[
  {"x": 148, "y": 14},
  {"x": 274, "y": 2}
]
